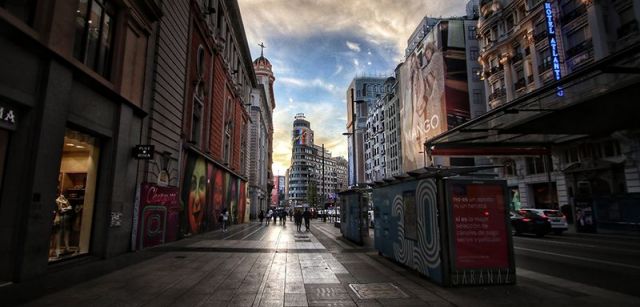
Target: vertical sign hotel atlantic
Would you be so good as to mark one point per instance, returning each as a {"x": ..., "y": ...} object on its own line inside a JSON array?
[{"x": 553, "y": 44}]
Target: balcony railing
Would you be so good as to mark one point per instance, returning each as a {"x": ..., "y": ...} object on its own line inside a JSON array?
[
  {"x": 530, "y": 78},
  {"x": 517, "y": 57},
  {"x": 497, "y": 94},
  {"x": 627, "y": 28},
  {"x": 539, "y": 36},
  {"x": 496, "y": 69},
  {"x": 579, "y": 48},
  {"x": 520, "y": 84},
  {"x": 577, "y": 12},
  {"x": 544, "y": 67}
]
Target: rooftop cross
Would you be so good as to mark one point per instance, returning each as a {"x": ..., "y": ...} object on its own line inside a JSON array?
[{"x": 261, "y": 49}]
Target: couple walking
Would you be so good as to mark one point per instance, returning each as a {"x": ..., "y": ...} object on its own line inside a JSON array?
[{"x": 299, "y": 216}]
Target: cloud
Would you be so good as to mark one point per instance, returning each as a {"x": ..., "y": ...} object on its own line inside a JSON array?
[
  {"x": 338, "y": 70},
  {"x": 353, "y": 46},
  {"x": 304, "y": 83},
  {"x": 381, "y": 21},
  {"x": 355, "y": 62}
]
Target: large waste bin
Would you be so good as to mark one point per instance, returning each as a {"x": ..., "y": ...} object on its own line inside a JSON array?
[{"x": 453, "y": 230}]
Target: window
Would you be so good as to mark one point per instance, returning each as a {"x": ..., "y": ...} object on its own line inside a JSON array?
[
  {"x": 72, "y": 220},
  {"x": 475, "y": 73},
  {"x": 535, "y": 165},
  {"x": 577, "y": 37},
  {"x": 477, "y": 97},
  {"x": 94, "y": 35},
  {"x": 228, "y": 127},
  {"x": 471, "y": 30},
  {"x": 545, "y": 59},
  {"x": 473, "y": 54},
  {"x": 198, "y": 97}
]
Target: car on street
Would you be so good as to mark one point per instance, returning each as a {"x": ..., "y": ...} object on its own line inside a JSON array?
[
  {"x": 528, "y": 222},
  {"x": 556, "y": 218}
]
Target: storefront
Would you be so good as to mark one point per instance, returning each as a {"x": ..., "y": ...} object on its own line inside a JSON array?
[{"x": 75, "y": 195}]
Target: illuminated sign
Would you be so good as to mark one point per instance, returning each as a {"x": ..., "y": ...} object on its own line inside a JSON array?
[{"x": 553, "y": 43}]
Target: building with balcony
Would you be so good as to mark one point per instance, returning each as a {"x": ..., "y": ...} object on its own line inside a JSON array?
[
  {"x": 362, "y": 93},
  {"x": 527, "y": 44}
]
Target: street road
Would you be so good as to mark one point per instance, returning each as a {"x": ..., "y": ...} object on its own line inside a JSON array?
[{"x": 611, "y": 262}]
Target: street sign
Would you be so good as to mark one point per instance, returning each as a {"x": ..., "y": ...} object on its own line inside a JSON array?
[{"x": 144, "y": 152}]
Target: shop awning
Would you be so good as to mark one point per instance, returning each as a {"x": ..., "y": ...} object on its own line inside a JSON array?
[{"x": 597, "y": 100}]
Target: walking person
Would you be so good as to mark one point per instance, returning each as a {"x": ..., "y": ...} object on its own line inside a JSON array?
[
  {"x": 269, "y": 216},
  {"x": 275, "y": 216},
  {"x": 297, "y": 216},
  {"x": 261, "y": 216},
  {"x": 306, "y": 216},
  {"x": 284, "y": 217},
  {"x": 225, "y": 220}
]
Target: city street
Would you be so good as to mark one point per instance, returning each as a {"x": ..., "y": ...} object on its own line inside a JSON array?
[
  {"x": 606, "y": 261},
  {"x": 257, "y": 265}
]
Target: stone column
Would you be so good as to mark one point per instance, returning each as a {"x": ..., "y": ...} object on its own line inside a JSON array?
[
  {"x": 508, "y": 78},
  {"x": 535, "y": 62}
]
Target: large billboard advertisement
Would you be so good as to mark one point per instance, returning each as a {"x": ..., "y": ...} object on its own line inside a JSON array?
[
  {"x": 434, "y": 90},
  {"x": 479, "y": 233}
]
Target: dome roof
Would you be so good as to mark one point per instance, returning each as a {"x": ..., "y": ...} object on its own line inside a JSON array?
[{"x": 262, "y": 61}]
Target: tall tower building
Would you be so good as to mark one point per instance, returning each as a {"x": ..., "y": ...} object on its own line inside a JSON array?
[{"x": 261, "y": 137}]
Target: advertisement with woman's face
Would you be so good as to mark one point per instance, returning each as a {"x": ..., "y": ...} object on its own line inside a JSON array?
[{"x": 422, "y": 101}]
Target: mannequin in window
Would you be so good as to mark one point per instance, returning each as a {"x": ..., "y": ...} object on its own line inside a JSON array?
[{"x": 64, "y": 211}]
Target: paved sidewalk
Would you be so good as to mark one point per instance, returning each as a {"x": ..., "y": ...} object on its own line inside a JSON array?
[{"x": 277, "y": 266}]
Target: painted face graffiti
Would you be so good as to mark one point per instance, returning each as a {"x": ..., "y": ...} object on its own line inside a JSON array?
[{"x": 197, "y": 193}]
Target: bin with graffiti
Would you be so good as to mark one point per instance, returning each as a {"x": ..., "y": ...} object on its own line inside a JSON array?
[{"x": 453, "y": 230}]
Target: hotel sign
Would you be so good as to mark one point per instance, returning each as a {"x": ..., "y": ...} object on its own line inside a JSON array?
[
  {"x": 553, "y": 45},
  {"x": 7, "y": 117}
]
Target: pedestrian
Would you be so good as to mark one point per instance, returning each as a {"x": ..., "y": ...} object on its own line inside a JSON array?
[
  {"x": 297, "y": 216},
  {"x": 284, "y": 217},
  {"x": 269, "y": 216},
  {"x": 290, "y": 215},
  {"x": 275, "y": 216},
  {"x": 306, "y": 216},
  {"x": 225, "y": 219},
  {"x": 261, "y": 216}
]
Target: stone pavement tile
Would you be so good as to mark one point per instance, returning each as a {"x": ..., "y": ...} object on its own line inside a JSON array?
[
  {"x": 242, "y": 300},
  {"x": 368, "y": 303},
  {"x": 224, "y": 294},
  {"x": 332, "y": 303},
  {"x": 295, "y": 299},
  {"x": 402, "y": 302},
  {"x": 190, "y": 300},
  {"x": 272, "y": 303},
  {"x": 346, "y": 278},
  {"x": 294, "y": 287},
  {"x": 316, "y": 292}
]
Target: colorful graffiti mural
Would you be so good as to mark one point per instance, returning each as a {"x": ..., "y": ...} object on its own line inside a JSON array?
[
  {"x": 207, "y": 191},
  {"x": 158, "y": 216}
]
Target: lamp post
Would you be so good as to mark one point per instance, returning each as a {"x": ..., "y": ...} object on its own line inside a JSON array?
[{"x": 353, "y": 135}]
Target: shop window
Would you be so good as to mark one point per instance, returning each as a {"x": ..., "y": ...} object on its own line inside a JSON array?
[
  {"x": 73, "y": 213},
  {"x": 94, "y": 35},
  {"x": 535, "y": 165},
  {"x": 4, "y": 142}
]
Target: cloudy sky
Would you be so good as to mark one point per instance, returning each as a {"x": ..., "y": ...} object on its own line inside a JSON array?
[{"x": 316, "y": 48}]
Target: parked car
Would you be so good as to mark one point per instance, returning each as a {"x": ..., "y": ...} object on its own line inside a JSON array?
[
  {"x": 529, "y": 222},
  {"x": 556, "y": 218}
]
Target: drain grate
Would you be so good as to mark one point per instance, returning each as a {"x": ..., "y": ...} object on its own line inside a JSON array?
[{"x": 377, "y": 290}]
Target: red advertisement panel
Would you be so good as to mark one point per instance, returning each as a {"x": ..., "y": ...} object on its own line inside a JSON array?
[
  {"x": 480, "y": 232},
  {"x": 159, "y": 215}
]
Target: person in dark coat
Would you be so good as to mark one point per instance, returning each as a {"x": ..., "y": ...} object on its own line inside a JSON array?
[
  {"x": 284, "y": 217},
  {"x": 306, "y": 216},
  {"x": 261, "y": 216},
  {"x": 297, "y": 216}
]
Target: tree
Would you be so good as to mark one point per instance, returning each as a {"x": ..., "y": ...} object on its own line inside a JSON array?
[{"x": 312, "y": 194}]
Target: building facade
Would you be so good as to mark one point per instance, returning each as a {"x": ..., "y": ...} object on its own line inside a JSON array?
[
  {"x": 528, "y": 44},
  {"x": 438, "y": 89},
  {"x": 393, "y": 146},
  {"x": 362, "y": 94},
  {"x": 74, "y": 98},
  {"x": 314, "y": 175},
  {"x": 261, "y": 137}
]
